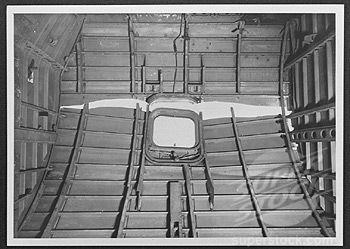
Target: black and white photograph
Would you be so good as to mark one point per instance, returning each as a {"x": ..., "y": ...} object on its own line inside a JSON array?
[{"x": 175, "y": 125}]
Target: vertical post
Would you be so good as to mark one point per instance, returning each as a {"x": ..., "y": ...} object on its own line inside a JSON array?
[
  {"x": 175, "y": 210},
  {"x": 297, "y": 88},
  {"x": 132, "y": 54},
  {"x": 130, "y": 175},
  {"x": 143, "y": 72},
  {"x": 160, "y": 75},
  {"x": 238, "y": 56},
  {"x": 80, "y": 67},
  {"x": 188, "y": 184},
  {"x": 330, "y": 77},
  {"x": 36, "y": 83},
  {"x": 46, "y": 102},
  {"x": 203, "y": 75},
  {"x": 247, "y": 177},
  {"x": 23, "y": 120},
  {"x": 186, "y": 42}
]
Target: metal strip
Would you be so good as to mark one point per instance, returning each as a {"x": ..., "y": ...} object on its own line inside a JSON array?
[
  {"x": 210, "y": 182},
  {"x": 247, "y": 177},
  {"x": 80, "y": 67},
  {"x": 305, "y": 83},
  {"x": 132, "y": 54},
  {"x": 160, "y": 75},
  {"x": 203, "y": 75},
  {"x": 175, "y": 210},
  {"x": 143, "y": 72},
  {"x": 122, "y": 220},
  {"x": 316, "y": 134},
  {"x": 238, "y": 58},
  {"x": 290, "y": 150},
  {"x": 186, "y": 41},
  {"x": 142, "y": 166},
  {"x": 68, "y": 176},
  {"x": 328, "y": 36},
  {"x": 187, "y": 175}
]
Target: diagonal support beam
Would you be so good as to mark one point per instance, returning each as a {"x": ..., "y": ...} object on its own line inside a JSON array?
[
  {"x": 126, "y": 200},
  {"x": 175, "y": 210},
  {"x": 139, "y": 188},
  {"x": 68, "y": 176},
  {"x": 328, "y": 36},
  {"x": 247, "y": 177},
  {"x": 312, "y": 110},
  {"x": 210, "y": 182},
  {"x": 187, "y": 174}
]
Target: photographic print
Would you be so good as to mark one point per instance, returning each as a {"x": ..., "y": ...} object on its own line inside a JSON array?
[{"x": 207, "y": 124}]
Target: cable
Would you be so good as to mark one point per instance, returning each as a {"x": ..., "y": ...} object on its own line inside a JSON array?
[{"x": 175, "y": 51}]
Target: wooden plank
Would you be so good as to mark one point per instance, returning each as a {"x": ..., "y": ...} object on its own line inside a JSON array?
[
  {"x": 247, "y": 219},
  {"x": 37, "y": 136},
  {"x": 36, "y": 223},
  {"x": 105, "y": 29},
  {"x": 61, "y": 154},
  {"x": 111, "y": 124},
  {"x": 66, "y": 182},
  {"x": 175, "y": 225},
  {"x": 252, "y": 157},
  {"x": 100, "y": 172},
  {"x": 118, "y": 44},
  {"x": 97, "y": 139},
  {"x": 86, "y": 220},
  {"x": 268, "y": 141},
  {"x": 225, "y": 30},
  {"x": 159, "y": 187},
  {"x": 247, "y": 176},
  {"x": 118, "y": 112},
  {"x": 106, "y": 156},
  {"x": 268, "y": 126}
]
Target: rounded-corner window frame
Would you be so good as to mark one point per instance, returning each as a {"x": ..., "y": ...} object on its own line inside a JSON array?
[{"x": 168, "y": 154}]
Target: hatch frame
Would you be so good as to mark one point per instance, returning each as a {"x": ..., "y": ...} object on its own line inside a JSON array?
[{"x": 185, "y": 154}]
